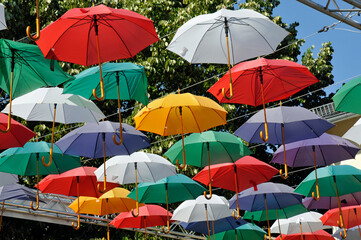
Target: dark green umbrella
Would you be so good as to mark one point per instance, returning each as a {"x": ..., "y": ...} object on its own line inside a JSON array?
[
  {"x": 333, "y": 181},
  {"x": 206, "y": 148},
  {"x": 122, "y": 81},
  {"x": 244, "y": 232},
  {"x": 24, "y": 161},
  {"x": 347, "y": 98},
  {"x": 176, "y": 188},
  {"x": 287, "y": 212},
  {"x": 23, "y": 69}
]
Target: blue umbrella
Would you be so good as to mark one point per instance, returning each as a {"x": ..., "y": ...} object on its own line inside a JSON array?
[
  {"x": 267, "y": 196},
  {"x": 95, "y": 140},
  {"x": 286, "y": 125},
  {"x": 220, "y": 225}
]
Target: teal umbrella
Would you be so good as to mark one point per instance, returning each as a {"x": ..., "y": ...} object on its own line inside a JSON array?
[
  {"x": 282, "y": 213},
  {"x": 24, "y": 161},
  {"x": 23, "y": 69},
  {"x": 244, "y": 232},
  {"x": 206, "y": 148},
  {"x": 347, "y": 98},
  {"x": 176, "y": 188},
  {"x": 333, "y": 181},
  {"x": 122, "y": 81}
]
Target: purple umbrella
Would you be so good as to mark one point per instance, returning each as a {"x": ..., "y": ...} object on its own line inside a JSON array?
[
  {"x": 331, "y": 202},
  {"x": 321, "y": 151},
  {"x": 95, "y": 140},
  {"x": 267, "y": 196},
  {"x": 285, "y": 125}
]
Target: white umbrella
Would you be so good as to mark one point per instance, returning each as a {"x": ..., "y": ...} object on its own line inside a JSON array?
[
  {"x": 305, "y": 222},
  {"x": 353, "y": 133},
  {"x": 2, "y": 17},
  {"x": 49, "y": 104},
  {"x": 202, "y": 209},
  {"x": 134, "y": 168}
]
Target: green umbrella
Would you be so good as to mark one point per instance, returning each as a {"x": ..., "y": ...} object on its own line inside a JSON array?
[
  {"x": 176, "y": 188},
  {"x": 23, "y": 69},
  {"x": 347, "y": 98},
  {"x": 25, "y": 161},
  {"x": 333, "y": 181},
  {"x": 244, "y": 232},
  {"x": 122, "y": 81},
  {"x": 287, "y": 212},
  {"x": 206, "y": 148}
]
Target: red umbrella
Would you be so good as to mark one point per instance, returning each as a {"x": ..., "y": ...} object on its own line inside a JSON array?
[
  {"x": 244, "y": 173},
  {"x": 318, "y": 235},
  {"x": 17, "y": 136},
  {"x": 149, "y": 215},
  {"x": 351, "y": 218},
  {"x": 79, "y": 181},
  {"x": 262, "y": 81}
]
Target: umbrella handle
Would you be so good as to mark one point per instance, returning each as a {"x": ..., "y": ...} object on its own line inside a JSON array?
[
  {"x": 269, "y": 235},
  {"x": 168, "y": 230},
  {"x": 132, "y": 211},
  {"x": 284, "y": 154},
  {"x": 78, "y": 222},
  {"x": 37, "y": 202},
  {"x": 52, "y": 141},
  {"x": 317, "y": 187},
  {"x": 284, "y": 177},
  {"x": 209, "y": 175},
  {"x": 10, "y": 101},
  {"x": 236, "y": 214},
  {"x": 120, "y": 135},
  {"x": 37, "y": 184},
  {"x": 264, "y": 138},
  {"x": 230, "y": 92},
  {"x": 100, "y": 190},
  {"x": 100, "y": 65},
  {"x": 229, "y": 66},
  {"x": 101, "y": 98},
  {"x": 317, "y": 192},
  {"x": 50, "y": 159},
  {"x": 210, "y": 192},
  {"x": 343, "y": 233},
  {"x": 28, "y": 29}
]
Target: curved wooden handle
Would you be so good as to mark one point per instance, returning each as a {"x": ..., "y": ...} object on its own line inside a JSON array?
[
  {"x": 37, "y": 21},
  {"x": 101, "y": 98},
  {"x": 132, "y": 211},
  {"x": 50, "y": 159},
  {"x": 286, "y": 172},
  {"x": 78, "y": 222},
  {"x": 120, "y": 133},
  {"x": 168, "y": 230},
  {"x": 264, "y": 138},
  {"x": 230, "y": 92},
  {"x": 236, "y": 214},
  {"x": 210, "y": 192},
  {"x": 317, "y": 192}
]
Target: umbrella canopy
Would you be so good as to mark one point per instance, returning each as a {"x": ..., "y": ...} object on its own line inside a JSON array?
[
  {"x": 2, "y": 17},
  {"x": 220, "y": 225},
  {"x": 244, "y": 232},
  {"x": 17, "y": 136},
  {"x": 274, "y": 214},
  {"x": 129, "y": 31},
  {"x": 331, "y": 202},
  {"x": 351, "y": 216},
  {"x": 305, "y": 222},
  {"x": 251, "y": 34},
  {"x": 352, "y": 233},
  {"x": 87, "y": 140},
  {"x": 353, "y": 133},
  {"x": 298, "y": 124},
  {"x": 346, "y": 98},
  {"x": 16, "y": 191},
  {"x": 7, "y": 178},
  {"x": 130, "y": 77},
  {"x": 319, "y": 235},
  {"x": 223, "y": 147}
]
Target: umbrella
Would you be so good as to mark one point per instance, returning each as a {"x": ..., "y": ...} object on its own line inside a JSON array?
[
  {"x": 220, "y": 225},
  {"x": 205, "y": 38},
  {"x": 17, "y": 136},
  {"x": 331, "y": 202},
  {"x": 73, "y": 37},
  {"x": 208, "y": 148},
  {"x": 22, "y": 161},
  {"x": 334, "y": 181},
  {"x": 176, "y": 188},
  {"x": 244, "y": 173},
  {"x": 268, "y": 196},
  {"x": 94, "y": 140},
  {"x": 79, "y": 181},
  {"x": 7, "y": 178},
  {"x": 353, "y": 133},
  {"x": 49, "y": 104},
  {"x": 244, "y": 232},
  {"x": 149, "y": 215},
  {"x": 194, "y": 113},
  {"x": 129, "y": 76},
  {"x": 305, "y": 222},
  {"x": 346, "y": 98},
  {"x": 134, "y": 168},
  {"x": 320, "y": 151},
  {"x": 113, "y": 201},
  {"x": 262, "y": 81},
  {"x": 350, "y": 218},
  {"x": 352, "y": 233},
  {"x": 24, "y": 69},
  {"x": 319, "y": 235},
  {"x": 2, "y": 17},
  {"x": 287, "y": 124},
  {"x": 275, "y": 214},
  {"x": 202, "y": 209}
]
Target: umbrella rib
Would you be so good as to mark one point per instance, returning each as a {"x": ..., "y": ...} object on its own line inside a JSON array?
[
  {"x": 230, "y": 157},
  {"x": 195, "y": 119},
  {"x": 323, "y": 156}
]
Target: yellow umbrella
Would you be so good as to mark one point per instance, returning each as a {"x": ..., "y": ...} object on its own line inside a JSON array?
[
  {"x": 179, "y": 114},
  {"x": 113, "y": 201}
]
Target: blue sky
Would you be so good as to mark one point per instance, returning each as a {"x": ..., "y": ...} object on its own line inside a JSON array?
[{"x": 344, "y": 38}]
